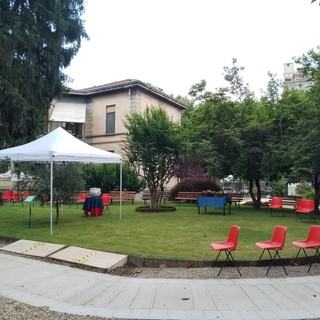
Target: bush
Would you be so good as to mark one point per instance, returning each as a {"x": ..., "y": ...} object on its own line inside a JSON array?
[
  {"x": 303, "y": 188},
  {"x": 195, "y": 185},
  {"x": 279, "y": 188},
  {"x": 106, "y": 177},
  {"x": 308, "y": 195}
]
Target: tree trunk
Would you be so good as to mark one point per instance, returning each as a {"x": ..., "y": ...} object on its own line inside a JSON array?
[
  {"x": 156, "y": 195},
  {"x": 154, "y": 201},
  {"x": 316, "y": 194},
  {"x": 256, "y": 200},
  {"x": 57, "y": 212}
]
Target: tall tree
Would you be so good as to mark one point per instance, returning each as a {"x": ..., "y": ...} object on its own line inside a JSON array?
[
  {"x": 252, "y": 124},
  {"x": 152, "y": 146},
  {"x": 274, "y": 165},
  {"x": 285, "y": 121},
  {"x": 210, "y": 137},
  {"x": 239, "y": 90},
  {"x": 231, "y": 131},
  {"x": 304, "y": 147},
  {"x": 38, "y": 39}
]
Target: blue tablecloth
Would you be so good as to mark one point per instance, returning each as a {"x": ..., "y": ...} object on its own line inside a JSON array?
[
  {"x": 93, "y": 205},
  {"x": 217, "y": 202}
]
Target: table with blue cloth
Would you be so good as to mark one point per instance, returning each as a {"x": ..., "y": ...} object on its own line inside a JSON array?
[
  {"x": 93, "y": 205},
  {"x": 217, "y": 202}
]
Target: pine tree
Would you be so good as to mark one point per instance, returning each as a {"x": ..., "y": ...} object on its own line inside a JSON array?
[{"x": 38, "y": 39}]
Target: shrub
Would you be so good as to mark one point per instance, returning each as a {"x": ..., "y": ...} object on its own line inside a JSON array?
[
  {"x": 304, "y": 187},
  {"x": 308, "y": 195},
  {"x": 279, "y": 188},
  {"x": 195, "y": 185},
  {"x": 106, "y": 177}
]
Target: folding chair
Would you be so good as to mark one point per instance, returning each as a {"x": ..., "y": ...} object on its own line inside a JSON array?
[
  {"x": 276, "y": 203},
  {"x": 275, "y": 244},
  {"x": 312, "y": 242},
  {"x": 227, "y": 246},
  {"x": 106, "y": 200}
]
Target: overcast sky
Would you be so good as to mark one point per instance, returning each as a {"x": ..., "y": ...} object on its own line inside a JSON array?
[{"x": 174, "y": 44}]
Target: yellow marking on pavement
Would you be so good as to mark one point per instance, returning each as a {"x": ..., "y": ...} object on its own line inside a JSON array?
[
  {"x": 84, "y": 258},
  {"x": 36, "y": 245}
]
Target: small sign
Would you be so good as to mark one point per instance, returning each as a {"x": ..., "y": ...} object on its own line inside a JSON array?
[{"x": 29, "y": 199}]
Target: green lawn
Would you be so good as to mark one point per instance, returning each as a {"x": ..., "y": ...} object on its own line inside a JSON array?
[{"x": 183, "y": 234}]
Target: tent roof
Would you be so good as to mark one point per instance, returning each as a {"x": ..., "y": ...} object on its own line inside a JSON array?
[{"x": 59, "y": 145}]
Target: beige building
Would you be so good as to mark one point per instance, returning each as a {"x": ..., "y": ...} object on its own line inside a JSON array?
[
  {"x": 96, "y": 114},
  {"x": 293, "y": 79}
]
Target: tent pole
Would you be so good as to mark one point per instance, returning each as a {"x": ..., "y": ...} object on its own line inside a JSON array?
[
  {"x": 120, "y": 189},
  {"x": 51, "y": 193}
]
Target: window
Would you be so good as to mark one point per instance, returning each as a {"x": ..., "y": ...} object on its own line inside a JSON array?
[
  {"x": 75, "y": 129},
  {"x": 110, "y": 119}
]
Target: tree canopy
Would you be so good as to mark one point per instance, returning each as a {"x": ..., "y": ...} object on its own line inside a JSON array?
[
  {"x": 38, "y": 39},
  {"x": 271, "y": 139},
  {"x": 152, "y": 147}
]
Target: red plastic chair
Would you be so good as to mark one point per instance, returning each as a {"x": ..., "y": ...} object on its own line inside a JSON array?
[
  {"x": 227, "y": 247},
  {"x": 82, "y": 198},
  {"x": 106, "y": 200},
  {"x": 7, "y": 195},
  {"x": 16, "y": 197},
  {"x": 275, "y": 244},
  {"x": 276, "y": 203},
  {"x": 25, "y": 194},
  {"x": 312, "y": 242},
  {"x": 306, "y": 206},
  {"x": 45, "y": 199},
  {"x": 298, "y": 204}
]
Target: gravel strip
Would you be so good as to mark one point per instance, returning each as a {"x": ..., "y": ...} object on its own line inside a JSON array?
[
  {"x": 212, "y": 273},
  {"x": 13, "y": 310}
]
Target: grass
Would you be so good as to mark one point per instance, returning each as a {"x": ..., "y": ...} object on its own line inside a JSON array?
[{"x": 183, "y": 234}]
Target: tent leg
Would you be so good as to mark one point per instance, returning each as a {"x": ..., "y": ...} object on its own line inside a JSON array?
[
  {"x": 120, "y": 206},
  {"x": 51, "y": 195}
]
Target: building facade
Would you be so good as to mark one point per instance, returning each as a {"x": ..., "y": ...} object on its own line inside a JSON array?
[
  {"x": 96, "y": 114},
  {"x": 294, "y": 79}
]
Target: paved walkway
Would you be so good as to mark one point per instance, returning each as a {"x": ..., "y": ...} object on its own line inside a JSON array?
[{"x": 72, "y": 290}]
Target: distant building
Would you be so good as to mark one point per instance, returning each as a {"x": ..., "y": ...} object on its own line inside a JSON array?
[
  {"x": 292, "y": 189},
  {"x": 294, "y": 79},
  {"x": 96, "y": 114}
]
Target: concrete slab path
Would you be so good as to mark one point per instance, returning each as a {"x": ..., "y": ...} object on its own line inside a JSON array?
[
  {"x": 32, "y": 248},
  {"x": 76, "y": 291},
  {"x": 82, "y": 256}
]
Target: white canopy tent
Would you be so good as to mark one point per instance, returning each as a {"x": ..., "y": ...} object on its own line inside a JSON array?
[{"x": 58, "y": 146}]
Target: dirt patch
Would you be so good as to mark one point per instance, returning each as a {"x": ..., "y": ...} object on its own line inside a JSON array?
[{"x": 4, "y": 241}]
